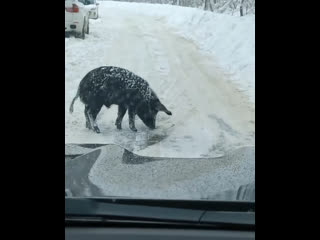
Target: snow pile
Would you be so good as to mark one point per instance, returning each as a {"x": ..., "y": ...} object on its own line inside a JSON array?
[
  {"x": 229, "y": 39},
  {"x": 231, "y": 7}
]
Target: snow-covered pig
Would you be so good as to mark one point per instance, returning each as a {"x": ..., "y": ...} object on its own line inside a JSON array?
[{"x": 105, "y": 86}]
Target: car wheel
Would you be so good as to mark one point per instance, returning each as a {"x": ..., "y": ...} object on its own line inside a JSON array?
[
  {"x": 87, "y": 32},
  {"x": 83, "y": 35}
]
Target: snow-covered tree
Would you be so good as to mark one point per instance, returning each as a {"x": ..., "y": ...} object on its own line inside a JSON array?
[{"x": 241, "y": 7}]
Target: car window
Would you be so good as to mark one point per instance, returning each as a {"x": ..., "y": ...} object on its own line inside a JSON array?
[
  {"x": 88, "y": 2},
  {"x": 160, "y": 99}
]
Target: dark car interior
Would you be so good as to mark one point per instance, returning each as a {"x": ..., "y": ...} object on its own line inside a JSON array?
[{"x": 115, "y": 218}]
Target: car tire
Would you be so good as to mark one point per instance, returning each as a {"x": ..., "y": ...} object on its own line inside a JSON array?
[
  {"x": 80, "y": 35},
  {"x": 83, "y": 33},
  {"x": 87, "y": 31}
]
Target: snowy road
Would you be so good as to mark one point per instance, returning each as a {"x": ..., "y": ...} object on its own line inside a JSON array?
[{"x": 210, "y": 115}]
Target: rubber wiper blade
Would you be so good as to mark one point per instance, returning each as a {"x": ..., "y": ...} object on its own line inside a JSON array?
[
  {"x": 239, "y": 218},
  {"x": 85, "y": 208},
  {"x": 115, "y": 210}
]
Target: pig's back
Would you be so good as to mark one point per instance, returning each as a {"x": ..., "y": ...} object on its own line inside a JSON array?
[{"x": 114, "y": 78}]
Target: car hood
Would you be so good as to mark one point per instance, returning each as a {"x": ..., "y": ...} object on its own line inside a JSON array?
[{"x": 121, "y": 173}]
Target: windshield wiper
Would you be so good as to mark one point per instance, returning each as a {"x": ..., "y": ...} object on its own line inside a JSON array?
[{"x": 221, "y": 215}]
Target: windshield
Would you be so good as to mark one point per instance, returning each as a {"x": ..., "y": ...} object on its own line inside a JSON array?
[
  {"x": 87, "y": 2},
  {"x": 160, "y": 99}
]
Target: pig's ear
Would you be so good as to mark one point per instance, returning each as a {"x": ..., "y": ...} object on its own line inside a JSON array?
[{"x": 160, "y": 107}]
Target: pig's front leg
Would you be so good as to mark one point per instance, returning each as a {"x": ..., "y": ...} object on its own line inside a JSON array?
[
  {"x": 132, "y": 115},
  {"x": 121, "y": 112}
]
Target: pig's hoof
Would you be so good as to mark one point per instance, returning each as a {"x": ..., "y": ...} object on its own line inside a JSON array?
[
  {"x": 134, "y": 129},
  {"x": 88, "y": 125},
  {"x": 96, "y": 129}
]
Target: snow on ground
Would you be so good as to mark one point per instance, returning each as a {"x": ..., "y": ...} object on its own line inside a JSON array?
[
  {"x": 230, "y": 39},
  {"x": 200, "y": 64}
]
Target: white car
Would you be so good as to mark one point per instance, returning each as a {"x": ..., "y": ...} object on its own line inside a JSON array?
[
  {"x": 93, "y": 8},
  {"x": 76, "y": 18}
]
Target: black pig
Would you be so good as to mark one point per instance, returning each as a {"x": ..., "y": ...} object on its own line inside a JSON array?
[{"x": 105, "y": 86}]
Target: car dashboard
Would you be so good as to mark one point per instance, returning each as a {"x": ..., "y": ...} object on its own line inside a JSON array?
[{"x": 97, "y": 233}]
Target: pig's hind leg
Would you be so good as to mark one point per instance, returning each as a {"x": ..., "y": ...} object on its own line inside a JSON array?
[
  {"x": 91, "y": 115},
  {"x": 88, "y": 125}
]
